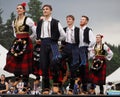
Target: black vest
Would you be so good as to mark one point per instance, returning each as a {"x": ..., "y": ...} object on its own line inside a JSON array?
[
  {"x": 86, "y": 35},
  {"x": 55, "y": 34},
  {"x": 76, "y": 34},
  {"x": 101, "y": 51},
  {"x": 24, "y": 27}
]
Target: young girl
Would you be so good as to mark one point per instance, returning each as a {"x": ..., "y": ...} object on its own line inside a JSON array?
[
  {"x": 98, "y": 68},
  {"x": 20, "y": 56}
]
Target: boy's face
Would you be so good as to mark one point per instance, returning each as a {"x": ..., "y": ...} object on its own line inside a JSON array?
[
  {"x": 69, "y": 20},
  {"x": 46, "y": 11},
  {"x": 83, "y": 21}
]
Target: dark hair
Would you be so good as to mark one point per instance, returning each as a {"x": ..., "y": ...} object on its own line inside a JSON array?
[
  {"x": 21, "y": 5},
  {"x": 70, "y": 16},
  {"x": 47, "y": 6},
  {"x": 86, "y": 17},
  {"x": 2, "y": 75}
]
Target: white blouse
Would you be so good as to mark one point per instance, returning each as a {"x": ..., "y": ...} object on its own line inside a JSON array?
[
  {"x": 32, "y": 26},
  {"x": 106, "y": 48}
]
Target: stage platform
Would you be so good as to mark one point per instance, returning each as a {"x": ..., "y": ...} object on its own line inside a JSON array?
[{"x": 16, "y": 95}]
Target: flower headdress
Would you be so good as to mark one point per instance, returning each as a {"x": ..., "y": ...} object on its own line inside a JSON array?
[{"x": 24, "y": 4}]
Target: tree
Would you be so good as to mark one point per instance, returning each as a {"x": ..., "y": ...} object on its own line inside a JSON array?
[
  {"x": 35, "y": 10},
  {"x": 1, "y": 17},
  {"x": 1, "y": 27},
  {"x": 8, "y": 33}
]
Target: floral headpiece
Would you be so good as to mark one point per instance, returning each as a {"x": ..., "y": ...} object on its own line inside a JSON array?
[{"x": 24, "y": 4}]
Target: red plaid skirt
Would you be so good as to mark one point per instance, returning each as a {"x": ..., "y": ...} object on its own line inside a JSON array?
[
  {"x": 98, "y": 77},
  {"x": 23, "y": 64},
  {"x": 36, "y": 69}
]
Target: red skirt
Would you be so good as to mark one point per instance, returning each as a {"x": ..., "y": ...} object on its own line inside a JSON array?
[
  {"x": 36, "y": 69},
  {"x": 98, "y": 77},
  {"x": 20, "y": 65}
]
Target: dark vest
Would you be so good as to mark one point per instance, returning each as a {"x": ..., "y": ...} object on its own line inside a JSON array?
[
  {"x": 100, "y": 51},
  {"x": 23, "y": 27},
  {"x": 86, "y": 35},
  {"x": 55, "y": 34},
  {"x": 76, "y": 34}
]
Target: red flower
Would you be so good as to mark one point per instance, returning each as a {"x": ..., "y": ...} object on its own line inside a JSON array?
[
  {"x": 35, "y": 23},
  {"x": 23, "y": 4}
]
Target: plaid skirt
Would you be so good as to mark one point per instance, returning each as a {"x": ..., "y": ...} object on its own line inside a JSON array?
[
  {"x": 98, "y": 77},
  {"x": 21, "y": 65},
  {"x": 36, "y": 69}
]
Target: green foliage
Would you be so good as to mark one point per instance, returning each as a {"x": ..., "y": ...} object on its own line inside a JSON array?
[
  {"x": 35, "y": 9},
  {"x": 115, "y": 62},
  {"x": 8, "y": 32},
  {"x": 1, "y": 27}
]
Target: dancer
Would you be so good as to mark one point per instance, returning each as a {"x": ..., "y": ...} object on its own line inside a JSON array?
[
  {"x": 49, "y": 31},
  {"x": 98, "y": 68},
  {"x": 70, "y": 50},
  {"x": 87, "y": 40},
  {"x": 20, "y": 56}
]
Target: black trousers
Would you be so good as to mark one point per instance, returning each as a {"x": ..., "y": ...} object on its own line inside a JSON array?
[
  {"x": 67, "y": 54},
  {"x": 47, "y": 64}
]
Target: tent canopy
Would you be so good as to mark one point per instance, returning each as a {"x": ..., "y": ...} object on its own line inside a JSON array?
[
  {"x": 3, "y": 52},
  {"x": 114, "y": 77}
]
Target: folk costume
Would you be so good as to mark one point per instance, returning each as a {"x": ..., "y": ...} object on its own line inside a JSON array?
[
  {"x": 36, "y": 62},
  {"x": 87, "y": 39},
  {"x": 98, "y": 68},
  {"x": 70, "y": 51},
  {"x": 49, "y": 32},
  {"x": 20, "y": 56}
]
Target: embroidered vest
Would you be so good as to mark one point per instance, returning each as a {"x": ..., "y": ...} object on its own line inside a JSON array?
[
  {"x": 100, "y": 50},
  {"x": 21, "y": 27}
]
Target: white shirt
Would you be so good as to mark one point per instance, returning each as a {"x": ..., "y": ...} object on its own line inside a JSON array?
[
  {"x": 70, "y": 38},
  {"x": 32, "y": 26},
  {"x": 46, "y": 29},
  {"x": 91, "y": 38},
  {"x": 106, "y": 48}
]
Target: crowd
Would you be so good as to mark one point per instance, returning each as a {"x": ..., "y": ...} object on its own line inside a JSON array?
[
  {"x": 35, "y": 87},
  {"x": 60, "y": 55}
]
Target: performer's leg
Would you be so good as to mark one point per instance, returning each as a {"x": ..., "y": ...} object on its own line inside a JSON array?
[
  {"x": 55, "y": 70},
  {"x": 82, "y": 55},
  {"x": 82, "y": 75},
  {"x": 25, "y": 80},
  {"x": 101, "y": 89},
  {"x": 72, "y": 77},
  {"x": 44, "y": 53}
]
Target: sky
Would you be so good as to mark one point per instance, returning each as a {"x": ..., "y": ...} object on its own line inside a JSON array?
[{"x": 104, "y": 15}]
